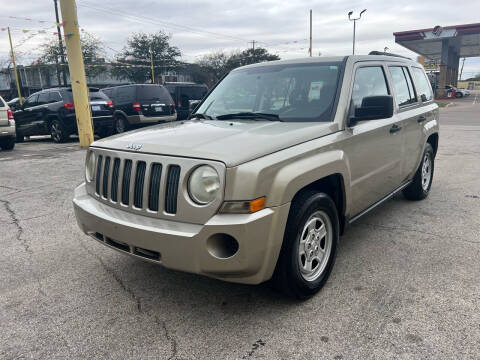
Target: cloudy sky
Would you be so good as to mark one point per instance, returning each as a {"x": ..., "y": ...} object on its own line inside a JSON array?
[{"x": 199, "y": 27}]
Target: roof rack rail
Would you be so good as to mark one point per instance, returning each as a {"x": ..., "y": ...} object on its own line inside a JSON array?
[{"x": 387, "y": 54}]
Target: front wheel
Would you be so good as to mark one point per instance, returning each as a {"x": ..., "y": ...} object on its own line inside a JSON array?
[
  {"x": 309, "y": 245},
  {"x": 420, "y": 186}
]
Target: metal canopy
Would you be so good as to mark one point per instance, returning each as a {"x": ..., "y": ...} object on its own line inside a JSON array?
[{"x": 464, "y": 40}]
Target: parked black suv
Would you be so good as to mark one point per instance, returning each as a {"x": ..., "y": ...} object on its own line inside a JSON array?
[
  {"x": 52, "y": 111},
  {"x": 186, "y": 96},
  {"x": 140, "y": 104}
]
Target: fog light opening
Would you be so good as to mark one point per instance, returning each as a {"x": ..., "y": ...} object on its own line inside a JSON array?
[{"x": 222, "y": 246}]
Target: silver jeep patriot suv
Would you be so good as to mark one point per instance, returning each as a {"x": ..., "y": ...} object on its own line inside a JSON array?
[{"x": 263, "y": 178}]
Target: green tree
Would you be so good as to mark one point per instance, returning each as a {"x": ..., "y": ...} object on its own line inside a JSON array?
[
  {"x": 92, "y": 50},
  {"x": 137, "y": 55},
  {"x": 212, "y": 67},
  {"x": 249, "y": 56}
]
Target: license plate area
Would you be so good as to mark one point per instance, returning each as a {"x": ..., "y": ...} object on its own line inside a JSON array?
[{"x": 96, "y": 108}]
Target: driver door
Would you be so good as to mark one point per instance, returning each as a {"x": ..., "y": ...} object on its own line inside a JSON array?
[{"x": 24, "y": 118}]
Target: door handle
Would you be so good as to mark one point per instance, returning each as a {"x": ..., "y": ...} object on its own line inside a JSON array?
[
  {"x": 395, "y": 128},
  {"x": 421, "y": 119}
]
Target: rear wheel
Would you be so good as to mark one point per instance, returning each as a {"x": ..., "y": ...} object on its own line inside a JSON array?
[
  {"x": 121, "y": 124},
  {"x": 58, "y": 131},
  {"x": 420, "y": 186},
  {"x": 7, "y": 143},
  {"x": 309, "y": 245}
]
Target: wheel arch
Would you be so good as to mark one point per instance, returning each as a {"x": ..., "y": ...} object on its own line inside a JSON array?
[
  {"x": 334, "y": 186},
  {"x": 433, "y": 140}
]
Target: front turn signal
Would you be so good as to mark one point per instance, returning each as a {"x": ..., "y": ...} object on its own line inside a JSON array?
[{"x": 243, "y": 207}]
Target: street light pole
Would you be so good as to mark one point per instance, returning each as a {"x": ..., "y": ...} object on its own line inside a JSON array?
[{"x": 354, "y": 26}]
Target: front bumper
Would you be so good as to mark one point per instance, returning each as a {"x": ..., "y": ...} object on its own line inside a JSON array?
[
  {"x": 7, "y": 131},
  {"x": 183, "y": 246}
]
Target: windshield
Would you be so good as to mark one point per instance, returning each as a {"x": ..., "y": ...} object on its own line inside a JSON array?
[{"x": 293, "y": 92}]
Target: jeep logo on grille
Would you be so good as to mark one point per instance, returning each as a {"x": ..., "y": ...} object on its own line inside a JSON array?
[{"x": 134, "y": 147}]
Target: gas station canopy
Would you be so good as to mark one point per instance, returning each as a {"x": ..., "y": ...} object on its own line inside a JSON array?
[{"x": 445, "y": 45}]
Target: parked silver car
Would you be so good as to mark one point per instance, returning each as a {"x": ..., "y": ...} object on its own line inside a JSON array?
[
  {"x": 7, "y": 126},
  {"x": 277, "y": 160}
]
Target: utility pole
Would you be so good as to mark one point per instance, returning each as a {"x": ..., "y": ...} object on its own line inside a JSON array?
[
  {"x": 253, "y": 49},
  {"x": 60, "y": 45},
  {"x": 354, "y": 25},
  {"x": 310, "y": 48},
  {"x": 461, "y": 70},
  {"x": 151, "y": 63},
  {"x": 12, "y": 55},
  {"x": 76, "y": 66}
]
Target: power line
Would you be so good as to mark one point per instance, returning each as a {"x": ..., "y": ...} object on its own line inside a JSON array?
[{"x": 143, "y": 19}]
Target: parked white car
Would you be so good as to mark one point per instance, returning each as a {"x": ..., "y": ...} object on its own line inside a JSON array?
[{"x": 463, "y": 92}]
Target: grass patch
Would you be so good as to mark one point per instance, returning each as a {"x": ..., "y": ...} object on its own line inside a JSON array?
[{"x": 442, "y": 104}]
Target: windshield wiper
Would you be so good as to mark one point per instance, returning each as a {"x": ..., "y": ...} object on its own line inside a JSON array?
[
  {"x": 200, "y": 116},
  {"x": 249, "y": 115}
]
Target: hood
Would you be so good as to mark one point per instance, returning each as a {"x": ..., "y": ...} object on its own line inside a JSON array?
[{"x": 231, "y": 142}]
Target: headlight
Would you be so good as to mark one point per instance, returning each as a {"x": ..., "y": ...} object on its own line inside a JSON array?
[
  {"x": 90, "y": 166},
  {"x": 203, "y": 185}
]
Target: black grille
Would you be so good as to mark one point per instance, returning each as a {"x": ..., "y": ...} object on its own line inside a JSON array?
[
  {"x": 126, "y": 182},
  {"x": 116, "y": 170},
  {"x": 99, "y": 173},
  {"x": 106, "y": 172},
  {"x": 139, "y": 181},
  {"x": 172, "y": 189},
  {"x": 154, "y": 190},
  {"x": 141, "y": 184}
]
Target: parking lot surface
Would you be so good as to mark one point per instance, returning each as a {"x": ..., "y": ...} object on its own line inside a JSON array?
[{"x": 405, "y": 285}]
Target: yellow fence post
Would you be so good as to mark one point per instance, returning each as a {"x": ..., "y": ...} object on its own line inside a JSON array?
[{"x": 77, "y": 72}]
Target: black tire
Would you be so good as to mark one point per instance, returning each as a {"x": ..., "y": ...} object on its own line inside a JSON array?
[
  {"x": 420, "y": 186},
  {"x": 19, "y": 138},
  {"x": 7, "y": 143},
  {"x": 288, "y": 276},
  {"x": 105, "y": 132},
  {"x": 58, "y": 132},
  {"x": 121, "y": 124}
]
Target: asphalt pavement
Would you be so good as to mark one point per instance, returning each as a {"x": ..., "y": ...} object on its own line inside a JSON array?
[{"x": 405, "y": 285}]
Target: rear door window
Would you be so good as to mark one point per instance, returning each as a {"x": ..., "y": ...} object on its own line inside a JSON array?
[
  {"x": 402, "y": 84},
  {"x": 43, "y": 98},
  {"x": 369, "y": 81},
  {"x": 423, "y": 85},
  {"x": 153, "y": 93}
]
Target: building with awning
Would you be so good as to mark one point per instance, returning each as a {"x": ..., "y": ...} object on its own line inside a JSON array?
[{"x": 444, "y": 46}]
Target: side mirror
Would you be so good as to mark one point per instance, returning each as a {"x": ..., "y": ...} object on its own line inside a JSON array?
[
  {"x": 424, "y": 97},
  {"x": 373, "y": 107}
]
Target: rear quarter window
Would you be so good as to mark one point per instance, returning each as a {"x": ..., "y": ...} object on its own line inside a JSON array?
[
  {"x": 98, "y": 95},
  {"x": 423, "y": 85}
]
